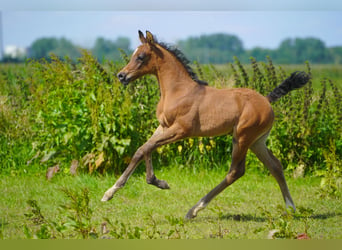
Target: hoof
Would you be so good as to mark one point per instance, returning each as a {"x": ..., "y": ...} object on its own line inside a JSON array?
[
  {"x": 158, "y": 183},
  {"x": 195, "y": 209},
  {"x": 107, "y": 197},
  {"x": 190, "y": 215},
  {"x": 163, "y": 184}
]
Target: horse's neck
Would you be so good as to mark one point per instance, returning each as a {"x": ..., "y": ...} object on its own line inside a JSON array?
[{"x": 173, "y": 77}]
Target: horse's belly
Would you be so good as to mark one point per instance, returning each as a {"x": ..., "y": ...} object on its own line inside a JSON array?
[{"x": 215, "y": 125}]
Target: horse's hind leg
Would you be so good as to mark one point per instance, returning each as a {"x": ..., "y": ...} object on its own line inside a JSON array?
[
  {"x": 260, "y": 149},
  {"x": 237, "y": 169}
]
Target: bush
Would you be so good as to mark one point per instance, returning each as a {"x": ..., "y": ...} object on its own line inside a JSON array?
[{"x": 60, "y": 112}]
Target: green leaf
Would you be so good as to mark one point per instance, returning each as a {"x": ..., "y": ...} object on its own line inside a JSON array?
[{"x": 92, "y": 96}]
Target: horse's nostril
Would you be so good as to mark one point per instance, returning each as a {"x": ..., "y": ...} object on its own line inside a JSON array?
[{"x": 121, "y": 76}]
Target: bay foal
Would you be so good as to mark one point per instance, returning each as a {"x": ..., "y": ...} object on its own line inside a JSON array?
[{"x": 190, "y": 108}]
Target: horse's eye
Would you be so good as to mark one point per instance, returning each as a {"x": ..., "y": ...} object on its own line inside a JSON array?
[{"x": 141, "y": 57}]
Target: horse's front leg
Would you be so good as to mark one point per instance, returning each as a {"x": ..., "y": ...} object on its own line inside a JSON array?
[
  {"x": 160, "y": 137},
  {"x": 139, "y": 154},
  {"x": 150, "y": 177}
]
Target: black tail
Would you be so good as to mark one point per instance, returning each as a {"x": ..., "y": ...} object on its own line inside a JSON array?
[{"x": 297, "y": 80}]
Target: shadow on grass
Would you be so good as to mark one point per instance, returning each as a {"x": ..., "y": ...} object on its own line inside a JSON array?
[
  {"x": 243, "y": 217},
  {"x": 322, "y": 216},
  {"x": 255, "y": 218}
]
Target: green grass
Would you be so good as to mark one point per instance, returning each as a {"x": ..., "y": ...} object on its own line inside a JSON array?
[{"x": 249, "y": 209}]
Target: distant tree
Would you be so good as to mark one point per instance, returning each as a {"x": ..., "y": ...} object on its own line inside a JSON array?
[
  {"x": 215, "y": 48},
  {"x": 123, "y": 43},
  {"x": 336, "y": 54},
  {"x": 108, "y": 49},
  {"x": 66, "y": 48},
  {"x": 299, "y": 50},
  {"x": 260, "y": 54},
  {"x": 61, "y": 47},
  {"x": 42, "y": 47}
]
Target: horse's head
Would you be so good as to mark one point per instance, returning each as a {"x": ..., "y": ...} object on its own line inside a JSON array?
[{"x": 143, "y": 60}]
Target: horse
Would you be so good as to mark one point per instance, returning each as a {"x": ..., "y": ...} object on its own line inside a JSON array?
[{"x": 188, "y": 107}]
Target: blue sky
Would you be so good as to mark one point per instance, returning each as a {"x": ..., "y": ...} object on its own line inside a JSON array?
[
  {"x": 203, "y": 5},
  {"x": 257, "y": 23}
]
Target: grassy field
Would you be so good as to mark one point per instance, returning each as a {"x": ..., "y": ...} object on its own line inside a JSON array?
[{"x": 252, "y": 208}]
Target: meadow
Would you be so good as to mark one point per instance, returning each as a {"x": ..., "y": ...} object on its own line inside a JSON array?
[
  {"x": 77, "y": 120},
  {"x": 70, "y": 208}
]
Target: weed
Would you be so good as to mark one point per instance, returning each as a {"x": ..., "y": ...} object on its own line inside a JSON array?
[
  {"x": 236, "y": 75},
  {"x": 220, "y": 234},
  {"x": 279, "y": 227},
  {"x": 179, "y": 231},
  {"x": 305, "y": 214},
  {"x": 79, "y": 213},
  {"x": 2, "y": 224},
  {"x": 119, "y": 230},
  {"x": 45, "y": 229},
  {"x": 284, "y": 225},
  {"x": 243, "y": 73},
  {"x": 35, "y": 215},
  {"x": 152, "y": 232},
  {"x": 331, "y": 181}
]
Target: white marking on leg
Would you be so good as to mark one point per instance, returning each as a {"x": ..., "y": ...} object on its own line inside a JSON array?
[
  {"x": 110, "y": 193},
  {"x": 289, "y": 203},
  {"x": 201, "y": 205}
]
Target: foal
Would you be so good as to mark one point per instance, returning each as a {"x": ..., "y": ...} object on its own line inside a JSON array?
[{"x": 190, "y": 108}]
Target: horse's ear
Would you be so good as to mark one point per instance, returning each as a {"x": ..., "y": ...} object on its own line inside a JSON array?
[
  {"x": 141, "y": 37},
  {"x": 149, "y": 37}
]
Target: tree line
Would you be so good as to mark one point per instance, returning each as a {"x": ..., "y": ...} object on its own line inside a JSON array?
[
  {"x": 221, "y": 48},
  {"x": 62, "y": 48},
  {"x": 217, "y": 48}
]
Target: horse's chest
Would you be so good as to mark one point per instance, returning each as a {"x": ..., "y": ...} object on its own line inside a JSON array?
[
  {"x": 163, "y": 118},
  {"x": 169, "y": 114},
  {"x": 166, "y": 119}
]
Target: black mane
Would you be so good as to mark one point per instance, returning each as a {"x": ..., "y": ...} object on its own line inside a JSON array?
[{"x": 184, "y": 61}]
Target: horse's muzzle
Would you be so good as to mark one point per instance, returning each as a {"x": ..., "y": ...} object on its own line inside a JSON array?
[{"x": 123, "y": 78}]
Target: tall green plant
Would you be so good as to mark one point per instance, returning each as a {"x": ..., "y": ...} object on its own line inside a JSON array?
[
  {"x": 304, "y": 124},
  {"x": 58, "y": 112}
]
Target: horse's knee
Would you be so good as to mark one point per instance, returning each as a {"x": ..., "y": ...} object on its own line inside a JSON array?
[
  {"x": 235, "y": 173},
  {"x": 141, "y": 152}
]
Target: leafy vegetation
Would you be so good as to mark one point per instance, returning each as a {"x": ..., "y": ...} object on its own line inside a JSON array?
[{"x": 58, "y": 112}]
